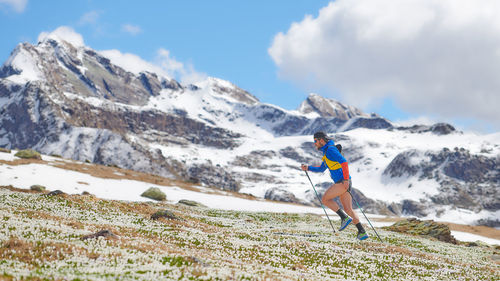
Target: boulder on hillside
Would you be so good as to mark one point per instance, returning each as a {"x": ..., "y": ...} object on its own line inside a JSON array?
[
  {"x": 427, "y": 228},
  {"x": 154, "y": 193},
  {"x": 55, "y": 193},
  {"x": 37, "y": 187},
  {"x": 165, "y": 214},
  {"x": 28, "y": 154},
  {"x": 190, "y": 203}
]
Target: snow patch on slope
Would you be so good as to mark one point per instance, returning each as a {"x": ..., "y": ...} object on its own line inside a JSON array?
[{"x": 22, "y": 60}]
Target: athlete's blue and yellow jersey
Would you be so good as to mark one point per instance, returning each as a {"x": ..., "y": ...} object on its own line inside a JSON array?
[{"x": 334, "y": 161}]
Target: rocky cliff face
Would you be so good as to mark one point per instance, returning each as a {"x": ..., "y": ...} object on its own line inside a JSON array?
[{"x": 76, "y": 102}]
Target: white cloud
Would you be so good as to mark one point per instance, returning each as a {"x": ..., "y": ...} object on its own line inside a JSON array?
[
  {"x": 65, "y": 33},
  {"x": 17, "y": 5},
  {"x": 90, "y": 18},
  {"x": 432, "y": 56},
  {"x": 132, "y": 29},
  {"x": 163, "y": 65},
  {"x": 131, "y": 62},
  {"x": 183, "y": 72}
]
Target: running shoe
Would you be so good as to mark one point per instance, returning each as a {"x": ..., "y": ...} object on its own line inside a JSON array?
[
  {"x": 362, "y": 235},
  {"x": 345, "y": 222}
]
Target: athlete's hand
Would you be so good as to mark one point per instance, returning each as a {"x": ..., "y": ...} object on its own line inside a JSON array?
[{"x": 304, "y": 167}]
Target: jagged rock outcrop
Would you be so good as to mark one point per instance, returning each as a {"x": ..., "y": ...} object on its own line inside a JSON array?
[
  {"x": 438, "y": 129},
  {"x": 466, "y": 181},
  {"x": 427, "y": 228},
  {"x": 213, "y": 176}
]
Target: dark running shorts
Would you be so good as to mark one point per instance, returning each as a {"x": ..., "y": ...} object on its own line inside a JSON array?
[{"x": 350, "y": 185}]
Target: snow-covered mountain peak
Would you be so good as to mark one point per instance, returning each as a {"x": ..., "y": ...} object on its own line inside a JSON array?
[
  {"x": 62, "y": 34},
  {"x": 325, "y": 107},
  {"x": 228, "y": 90}
]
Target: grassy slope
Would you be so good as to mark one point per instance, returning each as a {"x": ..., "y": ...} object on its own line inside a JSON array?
[{"x": 40, "y": 239}]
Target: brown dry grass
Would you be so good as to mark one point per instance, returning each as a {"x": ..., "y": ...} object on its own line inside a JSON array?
[
  {"x": 482, "y": 230},
  {"x": 22, "y": 162},
  {"x": 73, "y": 223},
  {"x": 31, "y": 253}
]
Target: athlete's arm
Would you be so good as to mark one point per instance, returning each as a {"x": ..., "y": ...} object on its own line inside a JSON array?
[{"x": 319, "y": 169}]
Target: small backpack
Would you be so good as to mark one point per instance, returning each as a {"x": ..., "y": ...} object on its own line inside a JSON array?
[{"x": 339, "y": 147}]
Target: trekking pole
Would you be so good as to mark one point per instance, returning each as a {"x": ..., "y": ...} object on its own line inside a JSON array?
[
  {"x": 365, "y": 215},
  {"x": 320, "y": 202}
]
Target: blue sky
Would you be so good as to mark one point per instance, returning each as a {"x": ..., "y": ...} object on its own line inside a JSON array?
[{"x": 386, "y": 60}]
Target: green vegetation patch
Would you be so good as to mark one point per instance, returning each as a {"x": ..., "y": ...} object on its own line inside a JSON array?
[{"x": 28, "y": 154}]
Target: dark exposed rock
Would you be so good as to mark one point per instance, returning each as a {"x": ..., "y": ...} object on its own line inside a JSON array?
[
  {"x": 290, "y": 152},
  {"x": 438, "y": 129},
  {"x": 257, "y": 177},
  {"x": 442, "y": 129},
  {"x": 213, "y": 176},
  {"x": 370, "y": 123},
  {"x": 461, "y": 165},
  {"x": 279, "y": 194},
  {"x": 254, "y": 159},
  {"x": 103, "y": 233},
  {"x": 55, "y": 193},
  {"x": 167, "y": 214},
  {"x": 402, "y": 165},
  {"x": 395, "y": 209},
  {"x": 373, "y": 206},
  {"x": 137, "y": 122},
  {"x": 8, "y": 70},
  {"x": 410, "y": 207},
  {"x": 489, "y": 222},
  {"x": 173, "y": 85},
  {"x": 325, "y": 124},
  {"x": 151, "y": 83}
]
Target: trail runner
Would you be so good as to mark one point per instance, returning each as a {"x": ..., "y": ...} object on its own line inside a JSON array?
[{"x": 339, "y": 172}]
